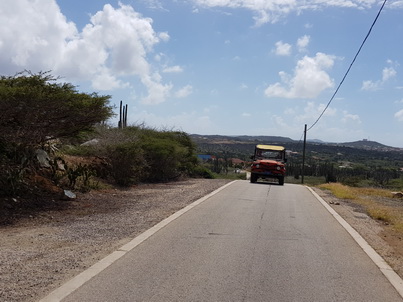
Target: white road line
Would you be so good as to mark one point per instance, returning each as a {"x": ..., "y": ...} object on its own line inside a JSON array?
[
  {"x": 77, "y": 281},
  {"x": 389, "y": 273}
]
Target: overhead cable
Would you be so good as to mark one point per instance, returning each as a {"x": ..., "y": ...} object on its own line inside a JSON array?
[{"x": 348, "y": 70}]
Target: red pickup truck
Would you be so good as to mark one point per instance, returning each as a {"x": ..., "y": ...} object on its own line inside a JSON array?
[{"x": 268, "y": 162}]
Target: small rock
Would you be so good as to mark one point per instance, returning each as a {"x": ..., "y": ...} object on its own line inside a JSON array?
[
  {"x": 68, "y": 195},
  {"x": 43, "y": 158},
  {"x": 397, "y": 194}
]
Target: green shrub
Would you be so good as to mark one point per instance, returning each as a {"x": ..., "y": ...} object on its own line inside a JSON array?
[
  {"x": 201, "y": 171},
  {"x": 127, "y": 164}
]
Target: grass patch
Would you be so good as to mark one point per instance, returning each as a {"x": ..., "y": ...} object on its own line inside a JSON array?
[
  {"x": 378, "y": 203},
  {"x": 230, "y": 176},
  {"x": 380, "y": 213},
  {"x": 340, "y": 191},
  {"x": 308, "y": 180}
]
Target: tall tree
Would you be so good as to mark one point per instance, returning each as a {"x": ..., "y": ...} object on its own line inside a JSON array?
[{"x": 37, "y": 107}]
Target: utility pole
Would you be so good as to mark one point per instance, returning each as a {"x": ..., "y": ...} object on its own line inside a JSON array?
[{"x": 303, "y": 158}]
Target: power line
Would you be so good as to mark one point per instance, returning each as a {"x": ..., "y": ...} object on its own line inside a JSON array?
[{"x": 348, "y": 70}]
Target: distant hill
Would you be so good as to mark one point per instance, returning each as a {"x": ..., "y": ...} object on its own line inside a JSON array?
[
  {"x": 243, "y": 147},
  {"x": 368, "y": 145},
  {"x": 219, "y": 139},
  {"x": 250, "y": 139}
]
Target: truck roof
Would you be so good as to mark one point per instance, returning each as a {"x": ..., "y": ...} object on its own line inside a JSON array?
[{"x": 270, "y": 147}]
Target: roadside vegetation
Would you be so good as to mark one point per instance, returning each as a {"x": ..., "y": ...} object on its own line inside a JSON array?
[
  {"x": 54, "y": 138},
  {"x": 376, "y": 202}
]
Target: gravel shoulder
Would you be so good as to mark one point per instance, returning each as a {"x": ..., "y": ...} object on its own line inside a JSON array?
[{"x": 39, "y": 254}]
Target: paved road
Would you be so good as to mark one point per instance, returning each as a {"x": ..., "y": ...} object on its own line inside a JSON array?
[{"x": 249, "y": 242}]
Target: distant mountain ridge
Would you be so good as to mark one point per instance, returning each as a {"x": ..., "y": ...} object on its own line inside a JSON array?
[{"x": 261, "y": 139}]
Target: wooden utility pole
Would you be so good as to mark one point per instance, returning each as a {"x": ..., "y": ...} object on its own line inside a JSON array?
[{"x": 303, "y": 158}]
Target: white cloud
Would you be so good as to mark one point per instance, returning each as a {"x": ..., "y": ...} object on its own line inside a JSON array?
[
  {"x": 271, "y": 11},
  {"x": 303, "y": 43},
  {"x": 369, "y": 85},
  {"x": 399, "y": 115},
  {"x": 173, "y": 69},
  {"x": 245, "y": 114},
  {"x": 387, "y": 74},
  {"x": 157, "y": 92},
  {"x": 35, "y": 35},
  {"x": 32, "y": 35},
  {"x": 308, "y": 81},
  {"x": 312, "y": 110},
  {"x": 184, "y": 91},
  {"x": 191, "y": 122},
  {"x": 154, "y": 4},
  {"x": 396, "y": 4},
  {"x": 282, "y": 49},
  {"x": 164, "y": 36},
  {"x": 347, "y": 117}
]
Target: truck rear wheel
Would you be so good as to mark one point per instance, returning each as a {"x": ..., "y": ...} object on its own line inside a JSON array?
[{"x": 253, "y": 178}]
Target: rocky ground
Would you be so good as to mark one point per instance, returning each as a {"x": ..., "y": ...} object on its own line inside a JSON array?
[{"x": 39, "y": 253}]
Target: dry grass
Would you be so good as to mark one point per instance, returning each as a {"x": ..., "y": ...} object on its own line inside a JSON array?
[{"x": 378, "y": 203}]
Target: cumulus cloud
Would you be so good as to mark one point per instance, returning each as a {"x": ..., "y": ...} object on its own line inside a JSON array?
[
  {"x": 184, "y": 91},
  {"x": 271, "y": 11},
  {"x": 387, "y": 74},
  {"x": 282, "y": 49},
  {"x": 173, "y": 69},
  {"x": 303, "y": 43},
  {"x": 308, "y": 81},
  {"x": 348, "y": 117},
  {"x": 32, "y": 35},
  {"x": 312, "y": 111},
  {"x": 35, "y": 35},
  {"x": 399, "y": 115}
]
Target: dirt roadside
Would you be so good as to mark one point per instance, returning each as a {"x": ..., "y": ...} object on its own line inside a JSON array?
[
  {"x": 380, "y": 235},
  {"x": 40, "y": 253}
]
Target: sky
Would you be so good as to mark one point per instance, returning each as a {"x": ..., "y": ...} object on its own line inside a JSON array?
[{"x": 226, "y": 67}]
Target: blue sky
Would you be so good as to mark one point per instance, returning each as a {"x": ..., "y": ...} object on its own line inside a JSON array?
[{"x": 239, "y": 67}]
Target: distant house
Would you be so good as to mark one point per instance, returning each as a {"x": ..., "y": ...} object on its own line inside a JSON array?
[
  {"x": 205, "y": 157},
  {"x": 237, "y": 161}
]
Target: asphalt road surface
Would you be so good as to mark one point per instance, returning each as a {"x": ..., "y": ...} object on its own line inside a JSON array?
[{"x": 249, "y": 242}]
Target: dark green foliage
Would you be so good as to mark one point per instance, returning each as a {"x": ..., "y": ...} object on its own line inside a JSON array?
[
  {"x": 35, "y": 109},
  {"x": 203, "y": 172},
  {"x": 140, "y": 154},
  {"x": 169, "y": 155},
  {"x": 127, "y": 164},
  {"x": 375, "y": 165}
]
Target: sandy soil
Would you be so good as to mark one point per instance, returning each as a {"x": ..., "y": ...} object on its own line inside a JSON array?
[
  {"x": 40, "y": 253},
  {"x": 380, "y": 235}
]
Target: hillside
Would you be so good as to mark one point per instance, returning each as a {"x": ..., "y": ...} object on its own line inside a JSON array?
[{"x": 359, "y": 152}]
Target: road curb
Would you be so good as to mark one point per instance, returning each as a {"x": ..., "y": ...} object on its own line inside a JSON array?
[
  {"x": 77, "y": 281},
  {"x": 388, "y": 272}
]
